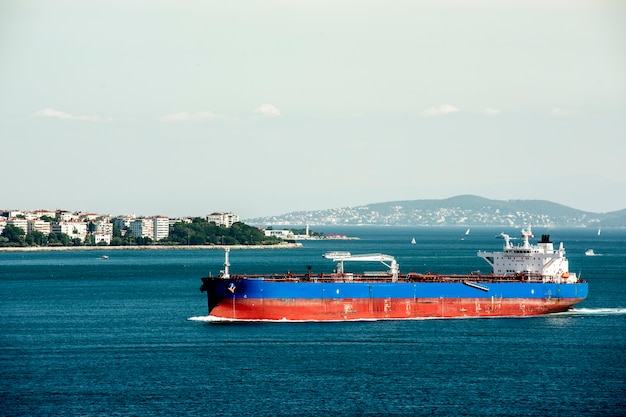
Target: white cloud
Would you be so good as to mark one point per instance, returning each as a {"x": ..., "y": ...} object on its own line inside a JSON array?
[
  {"x": 191, "y": 117},
  {"x": 66, "y": 116},
  {"x": 267, "y": 110},
  {"x": 559, "y": 112},
  {"x": 443, "y": 109},
  {"x": 490, "y": 112}
]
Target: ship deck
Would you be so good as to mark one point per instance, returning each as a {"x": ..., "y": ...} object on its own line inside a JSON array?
[{"x": 378, "y": 278}]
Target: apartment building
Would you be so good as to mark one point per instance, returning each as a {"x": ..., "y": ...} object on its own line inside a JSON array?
[
  {"x": 38, "y": 225},
  {"x": 223, "y": 219},
  {"x": 143, "y": 227},
  {"x": 103, "y": 227},
  {"x": 66, "y": 216},
  {"x": 161, "y": 227},
  {"x": 101, "y": 237},
  {"x": 123, "y": 222},
  {"x": 74, "y": 229},
  {"x": 19, "y": 222},
  {"x": 41, "y": 213},
  {"x": 155, "y": 228}
]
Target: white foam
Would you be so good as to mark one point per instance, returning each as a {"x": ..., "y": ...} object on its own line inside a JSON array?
[
  {"x": 202, "y": 318},
  {"x": 598, "y": 311},
  {"x": 213, "y": 319}
]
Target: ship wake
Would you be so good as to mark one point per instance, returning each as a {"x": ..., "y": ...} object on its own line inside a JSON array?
[
  {"x": 596, "y": 311},
  {"x": 207, "y": 319}
]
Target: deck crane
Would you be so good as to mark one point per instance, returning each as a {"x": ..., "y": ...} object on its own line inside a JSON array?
[{"x": 387, "y": 260}]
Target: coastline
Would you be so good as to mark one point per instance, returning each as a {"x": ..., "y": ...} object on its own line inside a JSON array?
[{"x": 151, "y": 247}]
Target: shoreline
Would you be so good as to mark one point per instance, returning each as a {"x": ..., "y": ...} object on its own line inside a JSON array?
[{"x": 154, "y": 247}]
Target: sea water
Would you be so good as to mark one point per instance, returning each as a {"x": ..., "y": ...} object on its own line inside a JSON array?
[{"x": 129, "y": 336}]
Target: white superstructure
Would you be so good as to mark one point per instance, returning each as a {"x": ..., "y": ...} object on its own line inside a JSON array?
[{"x": 539, "y": 261}]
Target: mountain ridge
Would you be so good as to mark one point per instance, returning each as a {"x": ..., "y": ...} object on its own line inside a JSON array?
[{"x": 466, "y": 209}]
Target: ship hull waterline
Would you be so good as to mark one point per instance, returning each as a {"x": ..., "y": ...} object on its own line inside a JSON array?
[{"x": 256, "y": 300}]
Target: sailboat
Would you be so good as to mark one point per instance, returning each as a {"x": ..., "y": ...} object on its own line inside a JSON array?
[
  {"x": 413, "y": 241},
  {"x": 467, "y": 231},
  {"x": 599, "y": 230}
]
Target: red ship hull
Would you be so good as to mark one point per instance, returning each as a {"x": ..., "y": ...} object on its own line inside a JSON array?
[{"x": 385, "y": 308}]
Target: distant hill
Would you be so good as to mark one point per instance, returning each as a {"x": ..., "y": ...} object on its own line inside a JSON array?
[{"x": 469, "y": 210}]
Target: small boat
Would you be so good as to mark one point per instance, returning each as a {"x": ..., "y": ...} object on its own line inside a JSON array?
[
  {"x": 590, "y": 252},
  {"x": 413, "y": 241},
  {"x": 104, "y": 257}
]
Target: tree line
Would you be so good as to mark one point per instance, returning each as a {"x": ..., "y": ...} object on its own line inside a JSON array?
[{"x": 202, "y": 232}]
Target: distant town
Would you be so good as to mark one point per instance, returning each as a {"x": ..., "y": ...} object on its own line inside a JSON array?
[
  {"x": 48, "y": 228},
  {"x": 464, "y": 210},
  {"x": 63, "y": 228}
]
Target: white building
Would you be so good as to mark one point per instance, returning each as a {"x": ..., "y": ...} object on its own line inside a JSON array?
[
  {"x": 101, "y": 237},
  {"x": 173, "y": 221},
  {"x": 223, "y": 219},
  {"x": 89, "y": 216},
  {"x": 103, "y": 227},
  {"x": 74, "y": 229},
  {"x": 143, "y": 227},
  {"x": 155, "y": 228},
  {"x": 18, "y": 222},
  {"x": 161, "y": 227},
  {"x": 66, "y": 216},
  {"x": 48, "y": 213},
  {"x": 281, "y": 233},
  {"x": 39, "y": 226},
  {"x": 14, "y": 213},
  {"x": 31, "y": 215},
  {"x": 123, "y": 222}
]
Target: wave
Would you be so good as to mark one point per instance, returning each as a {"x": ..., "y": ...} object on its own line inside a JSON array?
[
  {"x": 597, "y": 311},
  {"x": 202, "y": 318},
  {"x": 212, "y": 319}
]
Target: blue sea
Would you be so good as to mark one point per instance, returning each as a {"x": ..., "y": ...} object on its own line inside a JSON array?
[{"x": 129, "y": 336}]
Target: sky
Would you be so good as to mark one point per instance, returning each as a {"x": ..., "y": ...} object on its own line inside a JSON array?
[{"x": 183, "y": 108}]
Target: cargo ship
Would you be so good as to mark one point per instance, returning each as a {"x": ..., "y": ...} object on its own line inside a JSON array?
[{"x": 526, "y": 280}]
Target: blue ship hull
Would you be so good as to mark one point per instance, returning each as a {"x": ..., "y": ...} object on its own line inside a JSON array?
[{"x": 242, "y": 298}]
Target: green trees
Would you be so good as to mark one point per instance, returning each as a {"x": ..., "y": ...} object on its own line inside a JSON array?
[
  {"x": 15, "y": 236},
  {"x": 128, "y": 239},
  {"x": 12, "y": 236},
  {"x": 36, "y": 238},
  {"x": 90, "y": 240},
  {"x": 201, "y": 232},
  {"x": 59, "y": 239}
]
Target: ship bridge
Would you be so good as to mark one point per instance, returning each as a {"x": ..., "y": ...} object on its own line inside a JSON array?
[{"x": 539, "y": 259}]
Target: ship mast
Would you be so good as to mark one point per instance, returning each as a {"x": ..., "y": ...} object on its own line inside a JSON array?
[
  {"x": 226, "y": 271},
  {"x": 526, "y": 234}
]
